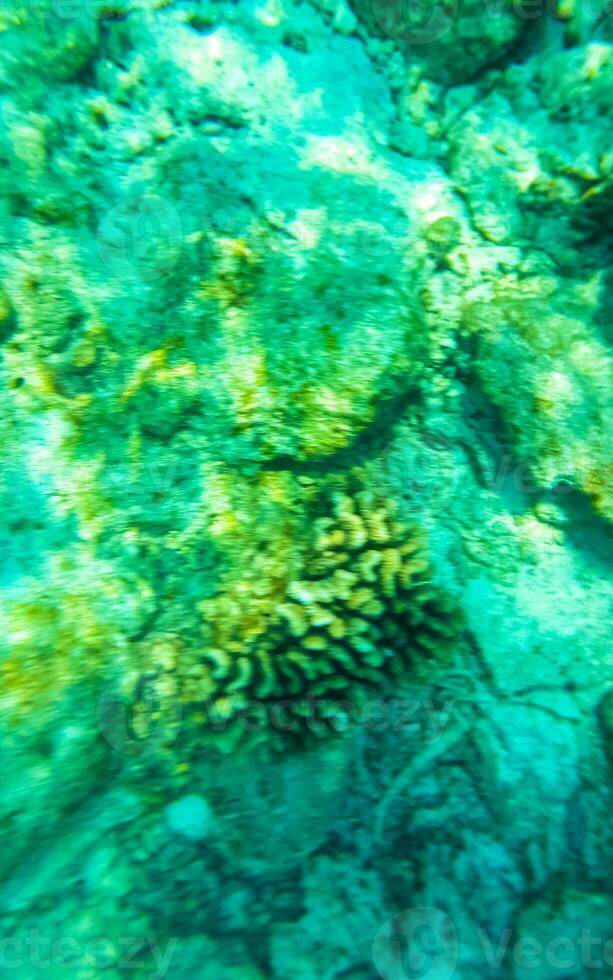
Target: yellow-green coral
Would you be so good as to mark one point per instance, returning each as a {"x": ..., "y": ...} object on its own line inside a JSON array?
[
  {"x": 329, "y": 618},
  {"x": 558, "y": 411},
  {"x": 64, "y": 630}
]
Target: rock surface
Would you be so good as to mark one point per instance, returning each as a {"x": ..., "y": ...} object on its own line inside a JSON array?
[{"x": 251, "y": 251}]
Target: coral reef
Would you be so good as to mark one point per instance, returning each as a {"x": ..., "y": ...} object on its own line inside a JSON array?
[
  {"x": 361, "y": 608},
  {"x": 305, "y": 404},
  {"x": 454, "y": 41},
  {"x": 541, "y": 193}
]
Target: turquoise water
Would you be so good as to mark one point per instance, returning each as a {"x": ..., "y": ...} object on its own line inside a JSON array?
[{"x": 305, "y": 343}]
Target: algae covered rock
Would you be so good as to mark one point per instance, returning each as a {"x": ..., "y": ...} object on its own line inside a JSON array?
[
  {"x": 189, "y": 345},
  {"x": 45, "y": 39},
  {"x": 305, "y": 409},
  {"x": 532, "y": 158},
  {"x": 453, "y": 41}
]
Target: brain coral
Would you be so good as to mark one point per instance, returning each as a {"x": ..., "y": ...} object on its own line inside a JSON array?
[{"x": 349, "y": 614}]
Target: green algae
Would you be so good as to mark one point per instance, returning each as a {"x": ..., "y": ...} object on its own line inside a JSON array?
[{"x": 304, "y": 336}]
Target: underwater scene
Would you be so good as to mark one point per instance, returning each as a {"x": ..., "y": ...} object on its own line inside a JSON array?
[{"x": 306, "y": 536}]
